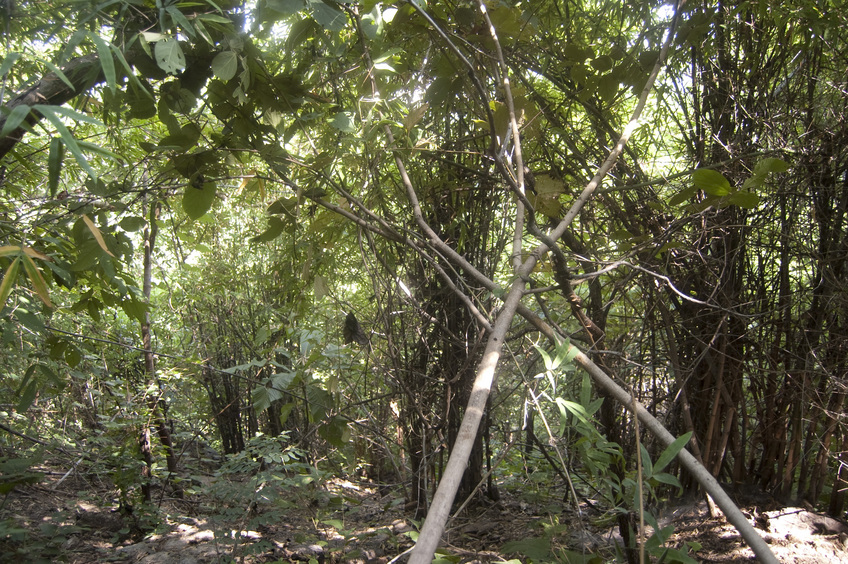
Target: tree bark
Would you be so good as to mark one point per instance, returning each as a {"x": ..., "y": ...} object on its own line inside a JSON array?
[{"x": 84, "y": 73}]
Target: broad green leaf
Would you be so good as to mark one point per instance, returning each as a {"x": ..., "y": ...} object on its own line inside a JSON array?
[
  {"x": 15, "y": 119},
  {"x": 260, "y": 399},
  {"x": 285, "y": 411},
  {"x": 682, "y": 196},
  {"x": 574, "y": 52},
  {"x": 285, "y": 206},
  {"x": 711, "y": 182},
  {"x": 336, "y": 432},
  {"x": 320, "y": 402},
  {"x": 329, "y": 17},
  {"x": 107, "y": 62},
  {"x": 132, "y": 224},
  {"x": 536, "y": 548},
  {"x": 602, "y": 63},
  {"x": 676, "y": 555},
  {"x": 8, "y": 282},
  {"x": 545, "y": 198},
  {"x": 54, "y": 165},
  {"x": 744, "y": 199},
  {"x": 771, "y": 164},
  {"x": 197, "y": 201},
  {"x": 37, "y": 280},
  {"x": 666, "y": 478},
  {"x": 134, "y": 308},
  {"x": 620, "y": 235},
  {"x": 225, "y": 65},
  {"x": 286, "y": 7},
  {"x": 671, "y": 451},
  {"x": 276, "y": 226},
  {"x": 27, "y": 396},
  {"x": 415, "y": 115},
  {"x": 343, "y": 121},
  {"x": 608, "y": 86},
  {"x": 579, "y": 73},
  {"x": 169, "y": 55}
]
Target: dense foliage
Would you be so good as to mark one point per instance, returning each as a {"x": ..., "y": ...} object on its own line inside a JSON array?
[{"x": 287, "y": 228}]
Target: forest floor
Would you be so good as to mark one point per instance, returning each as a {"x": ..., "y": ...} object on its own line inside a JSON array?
[{"x": 78, "y": 520}]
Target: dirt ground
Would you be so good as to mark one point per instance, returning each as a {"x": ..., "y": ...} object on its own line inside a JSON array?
[{"x": 79, "y": 521}]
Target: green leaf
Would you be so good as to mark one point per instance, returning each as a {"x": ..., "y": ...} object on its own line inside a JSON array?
[
  {"x": 285, "y": 411},
  {"x": 711, "y": 182},
  {"x": 647, "y": 466},
  {"x": 27, "y": 390},
  {"x": 678, "y": 556},
  {"x": 107, "y": 62},
  {"x": 197, "y": 201},
  {"x": 50, "y": 114},
  {"x": 102, "y": 151},
  {"x": 71, "y": 113},
  {"x": 134, "y": 309},
  {"x": 9, "y": 281},
  {"x": 336, "y": 432},
  {"x": 58, "y": 72},
  {"x": 771, "y": 164},
  {"x": 180, "y": 20},
  {"x": 666, "y": 478},
  {"x": 671, "y": 451},
  {"x": 286, "y": 7},
  {"x": 8, "y": 61},
  {"x": 744, "y": 199},
  {"x": 343, "y": 121},
  {"x": 536, "y": 548},
  {"x": 682, "y": 196},
  {"x": 602, "y": 63},
  {"x": 545, "y": 357},
  {"x": 575, "y": 409},
  {"x": 608, "y": 86},
  {"x": 37, "y": 280},
  {"x": 54, "y": 165},
  {"x": 260, "y": 399},
  {"x": 225, "y": 65},
  {"x": 329, "y": 17},
  {"x": 132, "y": 224},
  {"x": 169, "y": 55},
  {"x": 15, "y": 119},
  {"x": 274, "y": 230}
]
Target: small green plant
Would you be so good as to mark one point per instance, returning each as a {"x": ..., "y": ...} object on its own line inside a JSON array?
[{"x": 255, "y": 487}]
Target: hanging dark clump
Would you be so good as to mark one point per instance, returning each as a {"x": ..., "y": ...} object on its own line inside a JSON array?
[{"x": 352, "y": 331}]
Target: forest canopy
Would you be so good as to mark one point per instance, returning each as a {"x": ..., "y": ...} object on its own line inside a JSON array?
[{"x": 366, "y": 238}]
